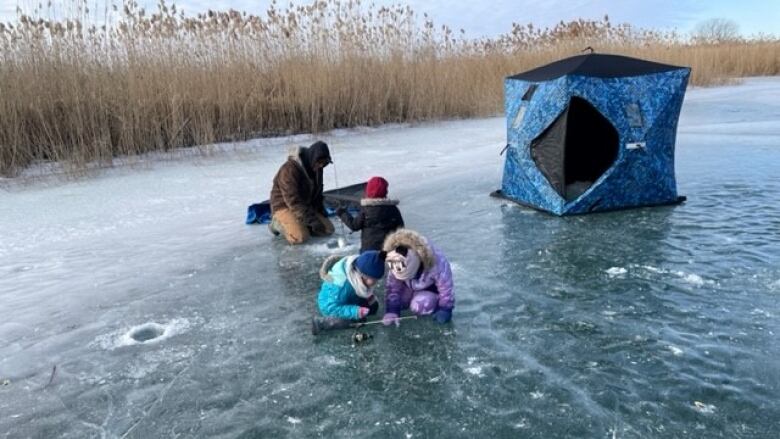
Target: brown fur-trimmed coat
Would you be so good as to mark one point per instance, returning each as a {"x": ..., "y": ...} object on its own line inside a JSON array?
[{"x": 293, "y": 189}]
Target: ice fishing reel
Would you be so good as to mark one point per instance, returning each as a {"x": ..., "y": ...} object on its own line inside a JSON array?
[{"x": 361, "y": 337}]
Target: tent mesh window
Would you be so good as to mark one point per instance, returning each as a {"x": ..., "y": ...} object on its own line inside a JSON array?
[{"x": 576, "y": 149}]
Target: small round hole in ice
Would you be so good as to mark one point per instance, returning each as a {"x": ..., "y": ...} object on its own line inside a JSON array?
[
  {"x": 146, "y": 332},
  {"x": 143, "y": 334}
]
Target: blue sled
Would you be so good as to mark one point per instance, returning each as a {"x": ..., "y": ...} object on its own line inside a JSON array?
[{"x": 349, "y": 197}]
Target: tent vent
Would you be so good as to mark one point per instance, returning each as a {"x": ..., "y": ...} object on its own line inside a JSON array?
[{"x": 529, "y": 93}]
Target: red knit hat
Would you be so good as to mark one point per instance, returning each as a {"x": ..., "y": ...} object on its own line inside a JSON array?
[{"x": 376, "y": 187}]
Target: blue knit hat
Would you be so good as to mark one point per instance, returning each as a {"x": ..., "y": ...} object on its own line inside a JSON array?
[{"x": 371, "y": 263}]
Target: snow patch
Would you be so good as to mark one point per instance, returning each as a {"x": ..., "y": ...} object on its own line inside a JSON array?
[
  {"x": 474, "y": 370},
  {"x": 616, "y": 271},
  {"x": 522, "y": 424},
  {"x": 703, "y": 408},
  {"x": 761, "y": 312},
  {"x": 332, "y": 248},
  {"x": 691, "y": 278},
  {"x": 331, "y": 360},
  {"x": 293, "y": 421},
  {"x": 675, "y": 350}
]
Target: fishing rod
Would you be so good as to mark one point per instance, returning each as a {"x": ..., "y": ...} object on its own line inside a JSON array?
[
  {"x": 319, "y": 325},
  {"x": 374, "y": 322},
  {"x": 362, "y": 337}
]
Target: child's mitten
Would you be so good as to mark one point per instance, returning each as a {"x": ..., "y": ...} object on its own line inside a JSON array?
[{"x": 390, "y": 318}]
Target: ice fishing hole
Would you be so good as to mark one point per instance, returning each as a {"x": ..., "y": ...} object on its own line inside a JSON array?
[{"x": 146, "y": 332}]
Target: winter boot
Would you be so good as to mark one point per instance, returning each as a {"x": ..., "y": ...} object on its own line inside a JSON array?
[
  {"x": 274, "y": 227},
  {"x": 319, "y": 324}
]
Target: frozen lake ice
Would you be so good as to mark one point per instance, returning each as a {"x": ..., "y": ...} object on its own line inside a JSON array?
[{"x": 166, "y": 316}]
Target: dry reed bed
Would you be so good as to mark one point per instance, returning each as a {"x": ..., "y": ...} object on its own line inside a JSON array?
[{"x": 75, "y": 93}]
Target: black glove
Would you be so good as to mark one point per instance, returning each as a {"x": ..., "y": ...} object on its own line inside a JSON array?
[
  {"x": 314, "y": 223},
  {"x": 373, "y": 308},
  {"x": 318, "y": 229}
]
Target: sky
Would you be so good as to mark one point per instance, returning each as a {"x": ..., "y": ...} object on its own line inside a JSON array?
[{"x": 492, "y": 18}]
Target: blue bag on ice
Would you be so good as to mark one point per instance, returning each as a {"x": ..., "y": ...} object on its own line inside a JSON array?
[
  {"x": 349, "y": 197},
  {"x": 259, "y": 213}
]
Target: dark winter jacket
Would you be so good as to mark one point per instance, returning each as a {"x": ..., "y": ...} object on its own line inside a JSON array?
[
  {"x": 378, "y": 217},
  {"x": 298, "y": 187}
]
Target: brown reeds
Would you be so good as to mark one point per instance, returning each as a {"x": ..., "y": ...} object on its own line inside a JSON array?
[{"x": 76, "y": 92}]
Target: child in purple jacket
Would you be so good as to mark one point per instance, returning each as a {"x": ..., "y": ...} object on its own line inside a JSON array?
[{"x": 420, "y": 278}]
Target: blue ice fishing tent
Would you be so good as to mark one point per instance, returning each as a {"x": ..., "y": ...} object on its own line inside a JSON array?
[{"x": 591, "y": 133}]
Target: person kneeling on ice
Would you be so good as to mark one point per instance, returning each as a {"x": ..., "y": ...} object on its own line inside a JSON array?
[
  {"x": 297, "y": 203},
  {"x": 378, "y": 215},
  {"x": 347, "y": 291},
  {"x": 420, "y": 278}
]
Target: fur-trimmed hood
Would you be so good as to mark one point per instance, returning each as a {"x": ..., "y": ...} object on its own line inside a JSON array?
[
  {"x": 413, "y": 240},
  {"x": 329, "y": 272},
  {"x": 378, "y": 202},
  {"x": 294, "y": 154},
  {"x": 308, "y": 156},
  {"x": 327, "y": 264}
]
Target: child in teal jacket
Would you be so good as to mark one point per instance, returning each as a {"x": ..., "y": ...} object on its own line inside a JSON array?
[{"x": 347, "y": 292}]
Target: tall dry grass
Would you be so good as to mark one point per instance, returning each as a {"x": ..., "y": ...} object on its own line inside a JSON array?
[{"x": 76, "y": 92}]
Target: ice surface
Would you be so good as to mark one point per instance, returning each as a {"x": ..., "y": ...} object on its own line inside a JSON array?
[{"x": 564, "y": 327}]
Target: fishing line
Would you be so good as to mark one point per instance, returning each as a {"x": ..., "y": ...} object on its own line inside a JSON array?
[{"x": 342, "y": 240}]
